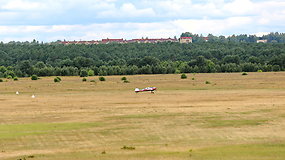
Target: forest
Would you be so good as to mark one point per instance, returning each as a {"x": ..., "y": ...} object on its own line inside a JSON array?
[{"x": 23, "y": 59}]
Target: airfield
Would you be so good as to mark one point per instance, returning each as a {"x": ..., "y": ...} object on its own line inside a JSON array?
[{"x": 232, "y": 117}]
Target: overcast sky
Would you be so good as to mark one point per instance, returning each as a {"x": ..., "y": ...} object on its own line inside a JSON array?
[{"x": 51, "y": 20}]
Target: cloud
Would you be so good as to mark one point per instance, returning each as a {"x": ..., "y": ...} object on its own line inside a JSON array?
[
  {"x": 21, "y": 5},
  {"x": 125, "y": 30},
  {"x": 127, "y": 10},
  {"x": 49, "y": 20}
]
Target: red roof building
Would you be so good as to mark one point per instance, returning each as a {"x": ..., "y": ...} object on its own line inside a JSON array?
[{"x": 186, "y": 40}]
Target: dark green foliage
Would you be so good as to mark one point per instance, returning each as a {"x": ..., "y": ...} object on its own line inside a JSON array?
[
  {"x": 15, "y": 79},
  {"x": 102, "y": 79},
  {"x": 244, "y": 74},
  {"x": 1, "y": 80},
  {"x": 207, "y": 82},
  {"x": 83, "y": 73},
  {"x": 31, "y": 156},
  {"x": 183, "y": 76},
  {"x": 84, "y": 79},
  {"x": 57, "y": 79},
  {"x": 9, "y": 74},
  {"x": 126, "y": 81},
  {"x": 91, "y": 72},
  {"x": 239, "y": 53},
  {"x": 34, "y": 77},
  {"x": 92, "y": 81},
  {"x": 124, "y": 78},
  {"x": 128, "y": 148},
  {"x": 9, "y": 77}
]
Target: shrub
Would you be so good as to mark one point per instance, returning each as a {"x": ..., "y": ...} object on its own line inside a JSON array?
[
  {"x": 128, "y": 148},
  {"x": 124, "y": 78},
  {"x": 16, "y": 79},
  {"x": 83, "y": 73},
  {"x": 84, "y": 80},
  {"x": 126, "y": 81},
  {"x": 92, "y": 81},
  {"x": 259, "y": 70},
  {"x": 56, "y": 79},
  {"x": 1, "y": 80},
  {"x": 91, "y": 72},
  {"x": 183, "y": 76},
  {"x": 244, "y": 74},
  {"x": 34, "y": 77},
  {"x": 9, "y": 77},
  {"x": 193, "y": 79},
  {"x": 207, "y": 82},
  {"x": 102, "y": 79}
]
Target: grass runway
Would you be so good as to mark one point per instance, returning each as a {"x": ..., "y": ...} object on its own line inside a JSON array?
[{"x": 234, "y": 117}]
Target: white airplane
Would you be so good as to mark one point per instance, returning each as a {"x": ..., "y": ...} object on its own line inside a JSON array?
[{"x": 148, "y": 89}]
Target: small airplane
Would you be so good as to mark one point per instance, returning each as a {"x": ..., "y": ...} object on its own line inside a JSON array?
[{"x": 148, "y": 89}]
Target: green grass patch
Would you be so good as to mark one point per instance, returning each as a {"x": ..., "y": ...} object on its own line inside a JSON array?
[
  {"x": 252, "y": 112},
  {"x": 241, "y": 152},
  {"x": 229, "y": 152},
  {"x": 234, "y": 122},
  {"x": 142, "y": 116},
  {"x": 8, "y": 131}
]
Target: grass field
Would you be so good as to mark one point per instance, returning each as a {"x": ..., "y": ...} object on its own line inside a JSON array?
[{"x": 234, "y": 117}]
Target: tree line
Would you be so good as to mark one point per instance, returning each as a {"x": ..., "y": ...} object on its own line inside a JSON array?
[
  {"x": 273, "y": 37},
  {"x": 26, "y": 59}
]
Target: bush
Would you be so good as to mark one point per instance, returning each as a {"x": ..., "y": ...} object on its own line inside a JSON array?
[
  {"x": 126, "y": 81},
  {"x": 124, "y": 78},
  {"x": 16, "y": 79},
  {"x": 207, "y": 82},
  {"x": 102, "y": 79},
  {"x": 128, "y": 148},
  {"x": 193, "y": 79},
  {"x": 92, "y": 81},
  {"x": 244, "y": 74},
  {"x": 56, "y": 79},
  {"x": 84, "y": 80},
  {"x": 34, "y": 77},
  {"x": 259, "y": 70},
  {"x": 183, "y": 76},
  {"x": 1, "y": 80},
  {"x": 9, "y": 77},
  {"x": 83, "y": 73},
  {"x": 91, "y": 72}
]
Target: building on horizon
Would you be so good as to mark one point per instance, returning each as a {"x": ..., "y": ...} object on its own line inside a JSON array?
[
  {"x": 185, "y": 40},
  {"x": 262, "y": 41}
]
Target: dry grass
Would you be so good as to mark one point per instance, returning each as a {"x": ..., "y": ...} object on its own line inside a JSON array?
[{"x": 235, "y": 117}]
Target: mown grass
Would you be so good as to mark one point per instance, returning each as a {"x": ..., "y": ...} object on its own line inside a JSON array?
[
  {"x": 143, "y": 116},
  {"x": 210, "y": 120},
  {"x": 9, "y": 131},
  {"x": 234, "y": 123},
  {"x": 252, "y": 112},
  {"x": 231, "y": 152},
  {"x": 242, "y": 152}
]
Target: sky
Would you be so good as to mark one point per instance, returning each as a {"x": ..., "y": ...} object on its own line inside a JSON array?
[{"x": 51, "y": 20}]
